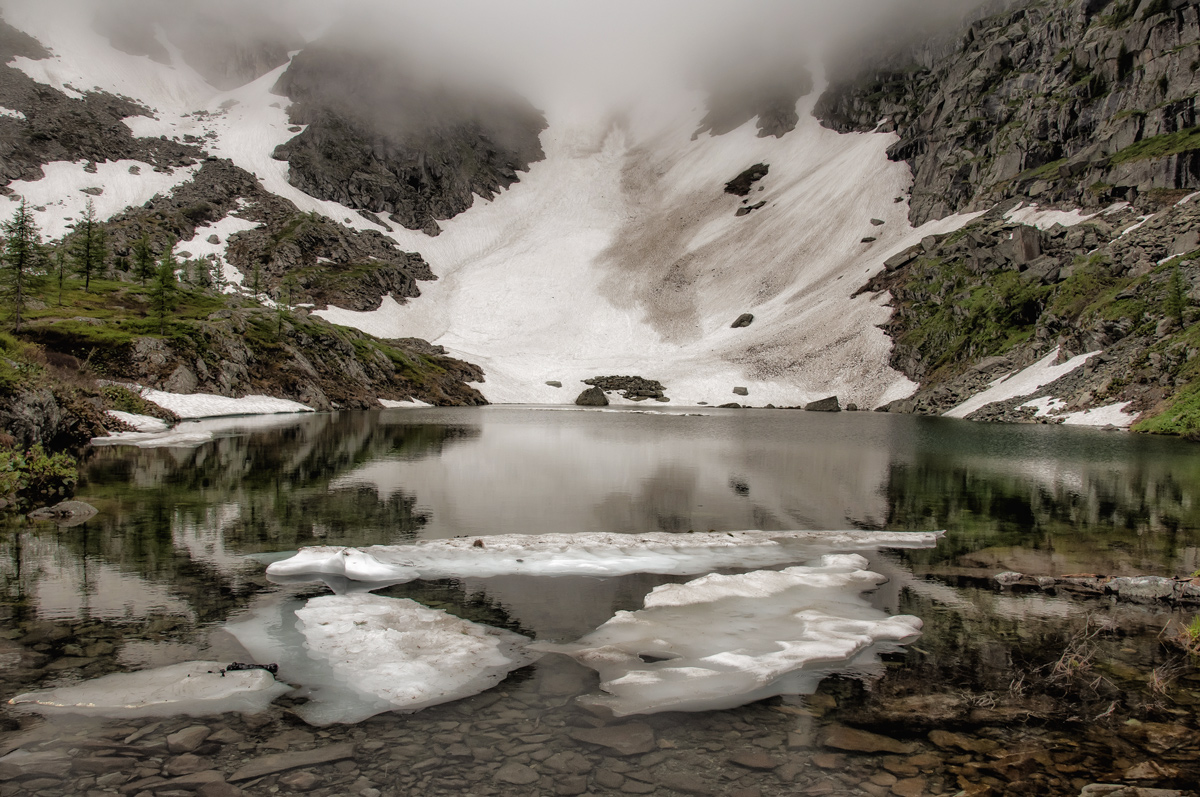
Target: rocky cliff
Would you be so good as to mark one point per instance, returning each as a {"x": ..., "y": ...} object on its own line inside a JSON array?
[
  {"x": 381, "y": 138},
  {"x": 1083, "y": 101}
]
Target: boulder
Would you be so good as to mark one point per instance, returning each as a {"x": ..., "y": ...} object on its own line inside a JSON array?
[
  {"x": 744, "y": 320},
  {"x": 67, "y": 513},
  {"x": 824, "y": 405},
  {"x": 741, "y": 391},
  {"x": 554, "y": 383},
  {"x": 592, "y": 397}
]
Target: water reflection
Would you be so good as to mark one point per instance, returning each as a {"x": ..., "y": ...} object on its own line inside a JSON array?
[{"x": 156, "y": 576}]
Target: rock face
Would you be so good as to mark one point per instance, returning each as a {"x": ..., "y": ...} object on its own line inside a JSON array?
[
  {"x": 1086, "y": 102},
  {"x": 381, "y": 140},
  {"x": 997, "y": 296},
  {"x": 56, "y": 127},
  {"x": 323, "y": 261},
  {"x": 592, "y": 397}
]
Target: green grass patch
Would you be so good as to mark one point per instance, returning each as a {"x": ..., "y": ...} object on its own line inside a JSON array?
[{"x": 1159, "y": 146}]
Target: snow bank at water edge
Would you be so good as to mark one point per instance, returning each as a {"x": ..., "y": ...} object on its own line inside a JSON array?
[
  {"x": 723, "y": 641},
  {"x": 1021, "y": 383},
  {"x": 585, "y": 554},
  {"x": 196, "y": 688},
  {"x": 208, "y": 405},
  {"x": 196, "y": 432},
  {"x": 359, "y": 655}
]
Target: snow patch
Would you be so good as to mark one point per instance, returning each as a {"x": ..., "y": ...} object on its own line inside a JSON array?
[
  {"x": 1022, "y": 383},
  {"x": 208, "y": 405},
  {"x": 583, "y": 554},
  {"x": 195, "y": 688},
  {"x": 411, "y": 403},
  {"x": 725, "y": 641},
  {"x": 11, "y": 114},
  {"x": 143, "y": 423},
  {"x": 58, "y": 199},
  {"x": 1045, "y": 219}
]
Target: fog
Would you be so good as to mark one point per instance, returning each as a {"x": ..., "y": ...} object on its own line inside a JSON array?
[{"x": 605, "y": 47}]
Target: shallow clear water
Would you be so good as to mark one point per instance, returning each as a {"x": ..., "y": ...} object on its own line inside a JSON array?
[{"x": 179, "y": 546}]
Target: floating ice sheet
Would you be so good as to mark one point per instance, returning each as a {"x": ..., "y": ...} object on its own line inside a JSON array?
[
  {"x": 585, "y": 554},
  {"x": 723, "y": 641},
  {"x": 360, "y": 655},
  {"x": 196, "y": 688}
]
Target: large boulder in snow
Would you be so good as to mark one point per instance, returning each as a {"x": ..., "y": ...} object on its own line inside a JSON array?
[
  {"x": 824, "y": 405},
  {"x": 592, "y": 397}
]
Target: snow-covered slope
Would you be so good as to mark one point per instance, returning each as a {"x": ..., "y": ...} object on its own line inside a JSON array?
[{"x": 618, "y": 254}]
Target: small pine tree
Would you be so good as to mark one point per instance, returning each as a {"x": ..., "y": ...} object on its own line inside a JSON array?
[
  {"x": 164, "y": 290},
  {"x": 218, "y": 274},
  {"x": 60, "y": 266},
  {"x": 1176, "y": 300},
  {"x": 143, "y": 259},
  {"x": 22, "y": 258},
  {"x": 90, "y": 249},
  {"x": 256, "y": 281},
  {"x": 201, "y": 274},
  {"x": 283, "y": 301}
]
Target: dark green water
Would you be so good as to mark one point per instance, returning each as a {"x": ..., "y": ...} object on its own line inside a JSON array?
[{"x": 152, "y": 579}]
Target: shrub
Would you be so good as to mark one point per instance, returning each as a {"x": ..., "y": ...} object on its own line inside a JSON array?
[{"x": 34, "y": 478}]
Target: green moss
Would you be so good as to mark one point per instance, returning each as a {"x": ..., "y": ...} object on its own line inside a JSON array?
[
  {"x": 1181, "y": 416},
  {"x": 1047, "y": 172},
  {"x": 1159, "y": 146}
]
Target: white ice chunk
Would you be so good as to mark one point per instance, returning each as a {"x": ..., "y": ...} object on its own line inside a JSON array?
[
  {"x": 196, "y": 688},
  {"x": 586, "y": 554},
  {"x": 724, "y": 641},
  {"x": 207, "y": 405},
  {"x": 359, "y": 655}
]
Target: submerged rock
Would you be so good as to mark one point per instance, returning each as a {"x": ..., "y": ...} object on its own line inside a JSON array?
[{"x": 65, "y": 514}]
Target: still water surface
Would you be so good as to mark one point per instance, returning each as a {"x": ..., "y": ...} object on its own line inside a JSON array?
[{"x": 178, "y": 548}]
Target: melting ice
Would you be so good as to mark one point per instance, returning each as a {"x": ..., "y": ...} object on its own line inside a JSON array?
[
  {"x": 360, "y": 655},
  {"x": 588, "y": 554},
  {"x": 196, "y": 688},
  {"x": 723, "y": 641}
]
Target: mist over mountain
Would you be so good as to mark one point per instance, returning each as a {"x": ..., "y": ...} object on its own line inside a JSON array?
[{"x": 932, "y": 195}]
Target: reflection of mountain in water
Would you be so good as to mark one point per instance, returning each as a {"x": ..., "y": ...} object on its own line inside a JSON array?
[{"x": 1050, "y": 501}]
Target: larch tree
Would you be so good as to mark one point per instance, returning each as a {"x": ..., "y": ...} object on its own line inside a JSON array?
[
  {"x": 163, "y": 290},
  {"x": 89, "y": 250},
  {"x": 143, "y": 259},
  {"x": 22, "y": 257}
]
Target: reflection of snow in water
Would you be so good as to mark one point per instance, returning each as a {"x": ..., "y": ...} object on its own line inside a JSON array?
[
  {"x": 723, "y": 641},
  {"x": 204, "y": 541}
]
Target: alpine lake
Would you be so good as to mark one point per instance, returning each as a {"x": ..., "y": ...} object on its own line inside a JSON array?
[{"x": 1030, "y": 687}]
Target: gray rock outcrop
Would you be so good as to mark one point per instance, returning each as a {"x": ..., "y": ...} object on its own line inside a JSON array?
[
  {"x": 824, "y": 405},
  {"x": 592, "y": 397}
]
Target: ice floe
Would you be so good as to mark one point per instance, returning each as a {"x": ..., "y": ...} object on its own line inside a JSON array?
[
  {"x": 196, "y": 688},
  {"x": 359, "y": 655},
  {"x": 584, "y": 554},
  {"x": 722, "y": 641}
]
